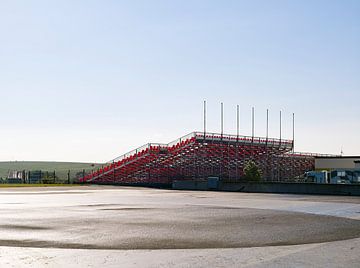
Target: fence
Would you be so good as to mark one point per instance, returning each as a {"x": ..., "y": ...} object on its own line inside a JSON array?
[{"x": 45, "y": 176}]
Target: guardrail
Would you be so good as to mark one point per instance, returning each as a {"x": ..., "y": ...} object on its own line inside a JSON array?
[
  {"x": 244, "y": 139},
  {"x": 137, "y": 150},
  {"x": 212, "y": 137},
  {"x": 310, "y": 154}
]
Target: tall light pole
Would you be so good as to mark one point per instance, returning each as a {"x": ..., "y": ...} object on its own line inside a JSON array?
[
  {"x": 293, "y": 129},
  {"x": 237, "y": 121},
  {"x": 222, "y": 120},
  {"x": 280, "y": 125},
  {"x": 267, "y": 124},
  {"x": 253, "y": 122},
  {"x": 204, "y": 119}
]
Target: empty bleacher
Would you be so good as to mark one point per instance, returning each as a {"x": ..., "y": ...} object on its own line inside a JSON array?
[{"x": 198, "y": 155}]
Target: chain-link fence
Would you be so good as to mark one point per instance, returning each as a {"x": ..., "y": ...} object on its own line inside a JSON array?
[{"x": 57, "y": 173}]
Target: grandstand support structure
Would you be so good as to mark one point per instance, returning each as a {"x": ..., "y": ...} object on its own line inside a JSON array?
[{"x": 200, "y": 155}]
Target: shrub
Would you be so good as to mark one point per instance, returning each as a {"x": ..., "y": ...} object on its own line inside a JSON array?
[{"x": 252, "y": 171}]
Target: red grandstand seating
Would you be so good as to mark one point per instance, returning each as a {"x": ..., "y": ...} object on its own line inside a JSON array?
[{"x": 199, "y": 156}]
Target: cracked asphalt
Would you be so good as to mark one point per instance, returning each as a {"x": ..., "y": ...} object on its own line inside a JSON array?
[{"x": 103, "y": 220}]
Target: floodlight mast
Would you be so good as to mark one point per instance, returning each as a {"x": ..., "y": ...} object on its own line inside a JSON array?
[
  {"x": 252, "y": 123},
  {"x": 237, "y": 121},
  {"x": 293, "y": 129},
  {"x": 267, "y": 125},
  {"x": 280, "y": 126},
  {"x": 204, "y": 119},
  {"x": 222, "y": 120}
]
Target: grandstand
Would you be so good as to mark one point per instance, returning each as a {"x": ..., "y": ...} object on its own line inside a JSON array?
[{"x": 201, "y": 155}]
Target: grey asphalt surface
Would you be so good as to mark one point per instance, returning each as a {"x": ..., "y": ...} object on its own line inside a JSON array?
[
  {"x": 147, "y": 219},
  {"x": 123, "y": 218}
]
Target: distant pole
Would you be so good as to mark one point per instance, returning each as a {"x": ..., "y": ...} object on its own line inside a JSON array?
[
  {"x": 267, "y": 138},
  {"x": 68, "y": 175},
  {"x": 293, "y": 128},
  {"x": 237, "y": 138},
  {"x": 253, "y": 122},
  {"x": 237, "y": 121},
  {"x": 280, "y": 125},
  {"x": 113, "y": 170},
  {"x": 267, "y": 124},
  {"x": 222, "y": 119},
  {"x": 204, "y": 119}
]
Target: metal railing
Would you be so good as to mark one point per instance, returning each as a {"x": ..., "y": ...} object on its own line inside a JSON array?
[
  {"x": 137, "y": 150},
  {"x": 183, "y": 138},
  {"x": 208, "y": 136},
  {"x": 311, "y": 154},
  {"x": 242, "y": 139}
]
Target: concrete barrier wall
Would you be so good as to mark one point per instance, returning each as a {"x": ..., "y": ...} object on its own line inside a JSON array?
[{"x": 289, "y": 188}]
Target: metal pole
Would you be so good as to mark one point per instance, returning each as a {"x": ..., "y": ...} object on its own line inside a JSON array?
[
  {"x": 267, "y": 124},
  {"x": 253, "y": 122},
  {"x": 237, "y": 122},
  {"x": 293, "y": 145},
  {"x": 113, "y": 170},
  {"x": 237, "y": 139},
  {"x": 280, "y": 125},
  {"x": 293, "y": 127},
  {"x": 222, "y": 119},
  {"x": 267, "y": 137},
  {"x": 204, "y": 119}
]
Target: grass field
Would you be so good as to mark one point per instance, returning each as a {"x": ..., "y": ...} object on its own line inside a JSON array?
[{"x": 61, "y": 168}]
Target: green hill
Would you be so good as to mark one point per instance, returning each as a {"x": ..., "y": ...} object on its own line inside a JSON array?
[{"x": 61, "y": 168}]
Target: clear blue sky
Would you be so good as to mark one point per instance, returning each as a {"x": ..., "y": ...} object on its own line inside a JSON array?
[{"x": 90, "y": 80}]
